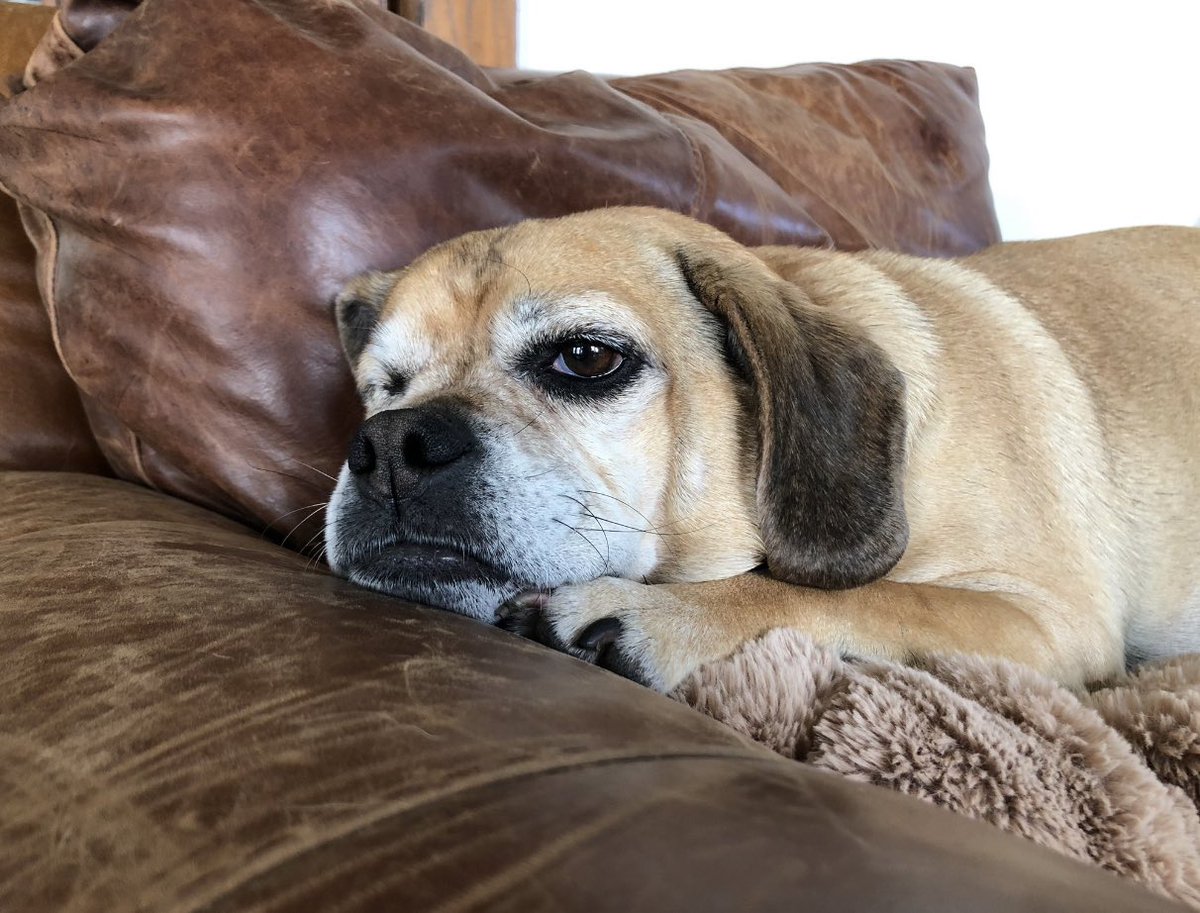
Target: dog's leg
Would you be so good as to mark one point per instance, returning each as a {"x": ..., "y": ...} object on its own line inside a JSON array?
[{"x": 658, "y": 634}]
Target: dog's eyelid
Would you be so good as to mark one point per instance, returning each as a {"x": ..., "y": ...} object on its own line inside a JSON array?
[{"x": 606, "y": 336}]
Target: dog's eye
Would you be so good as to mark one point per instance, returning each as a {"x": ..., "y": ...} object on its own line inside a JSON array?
[{"x": 587, "y": 359}]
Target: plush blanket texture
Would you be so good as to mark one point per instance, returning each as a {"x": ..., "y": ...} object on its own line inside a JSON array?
[{"x": 1111, "y": 776}]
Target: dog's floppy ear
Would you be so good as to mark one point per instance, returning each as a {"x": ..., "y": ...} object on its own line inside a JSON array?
[
  {"x": 357, "y": 310},
  {"x": 830, "y": 422}
]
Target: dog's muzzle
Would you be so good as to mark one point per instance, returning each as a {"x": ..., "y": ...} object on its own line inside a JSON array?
[{"x": 412, "y": 511}]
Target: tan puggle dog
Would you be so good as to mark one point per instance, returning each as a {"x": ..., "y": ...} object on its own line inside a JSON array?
[{"x": 637, "y": 440}]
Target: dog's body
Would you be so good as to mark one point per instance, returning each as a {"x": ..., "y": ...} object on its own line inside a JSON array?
[{"x": 999, "y": 454}]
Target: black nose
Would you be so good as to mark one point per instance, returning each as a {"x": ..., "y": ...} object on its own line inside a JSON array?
[{"x": 396, "y": 449}]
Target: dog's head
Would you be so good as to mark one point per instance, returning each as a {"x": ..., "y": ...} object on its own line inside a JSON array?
[{"x": 624, "y": 392}]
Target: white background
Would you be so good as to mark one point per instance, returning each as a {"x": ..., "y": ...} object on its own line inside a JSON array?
[{"x": 1092, "y": 110}]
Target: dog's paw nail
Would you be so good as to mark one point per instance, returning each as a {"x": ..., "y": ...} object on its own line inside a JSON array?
[
  {"x": 517, "y": 619},
  {"x": 599, "y": 634},
  {"x": 531, "y": 599}
]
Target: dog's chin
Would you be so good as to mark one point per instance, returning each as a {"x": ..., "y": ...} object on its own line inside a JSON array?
[{"x": 438, "y": 576}]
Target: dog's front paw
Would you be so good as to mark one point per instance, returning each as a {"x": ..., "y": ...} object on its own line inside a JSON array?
[{"x": 633, "y": 629}]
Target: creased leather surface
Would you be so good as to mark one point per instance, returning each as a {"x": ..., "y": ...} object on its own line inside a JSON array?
[
  {"x": 42, "y": 424},
  {"x": 55, "y": 50},
  {"x": 216, "y": 169},
  {"x": 192, "y": 721},
  {"x": 89, "y": 22}
]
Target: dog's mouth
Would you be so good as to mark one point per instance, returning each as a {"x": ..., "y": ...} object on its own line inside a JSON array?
[
  {"x": 434, "y": 573},
  {"x": 435, "y": 561}
]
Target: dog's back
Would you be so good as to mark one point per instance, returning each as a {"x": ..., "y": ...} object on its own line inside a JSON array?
[
  {"x": 1125, "y": 307},
  {"x": 1053, "y": 386}
]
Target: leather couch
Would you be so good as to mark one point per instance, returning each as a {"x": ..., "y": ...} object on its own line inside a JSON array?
[{"x": 194, "y": 718}]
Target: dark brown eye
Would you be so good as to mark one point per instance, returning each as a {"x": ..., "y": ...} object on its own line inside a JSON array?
[{"x": 587, "y": 359}]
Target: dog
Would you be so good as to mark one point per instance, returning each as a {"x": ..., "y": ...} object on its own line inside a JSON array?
[{"x": 627, "y": 435}]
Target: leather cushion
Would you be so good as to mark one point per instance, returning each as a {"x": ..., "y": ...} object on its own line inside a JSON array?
[
  {"x": 89, "y": 22},
  {"x": 193, "y": 719},
  {"x": 214, "y": 170},
  {"x": 42, "y": 423}
]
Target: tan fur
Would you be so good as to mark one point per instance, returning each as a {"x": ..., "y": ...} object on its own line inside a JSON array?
[{"x": 1052, "y": 477}]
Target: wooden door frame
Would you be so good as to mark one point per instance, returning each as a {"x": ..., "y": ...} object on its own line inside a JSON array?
[{"x": 486, "y": 30}]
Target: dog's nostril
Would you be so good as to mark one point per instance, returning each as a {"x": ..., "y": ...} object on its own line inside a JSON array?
[
  {"x": 362, "y": 455},
  {"x": 413, "y": 450}
]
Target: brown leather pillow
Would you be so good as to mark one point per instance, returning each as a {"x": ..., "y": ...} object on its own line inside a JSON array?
[
  {"x": 210, "y": 174},
  {"x": 42, "y": 425}
]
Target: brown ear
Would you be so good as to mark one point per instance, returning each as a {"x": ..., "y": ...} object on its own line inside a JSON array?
[
  {"x": 831, "y": 426},
  {"x": 357, "y": 309}
]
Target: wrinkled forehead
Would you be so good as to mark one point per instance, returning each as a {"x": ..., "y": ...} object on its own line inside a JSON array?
[{"x": 478, "y": 302}]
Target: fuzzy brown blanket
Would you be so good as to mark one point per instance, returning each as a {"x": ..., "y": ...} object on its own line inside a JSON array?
[{"x": 1111, "y": 776}]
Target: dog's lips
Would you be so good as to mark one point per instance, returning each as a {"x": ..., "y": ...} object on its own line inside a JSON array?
[
  {"x": 439, "y": 561},
  {"x": 441, "y": 575}
]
